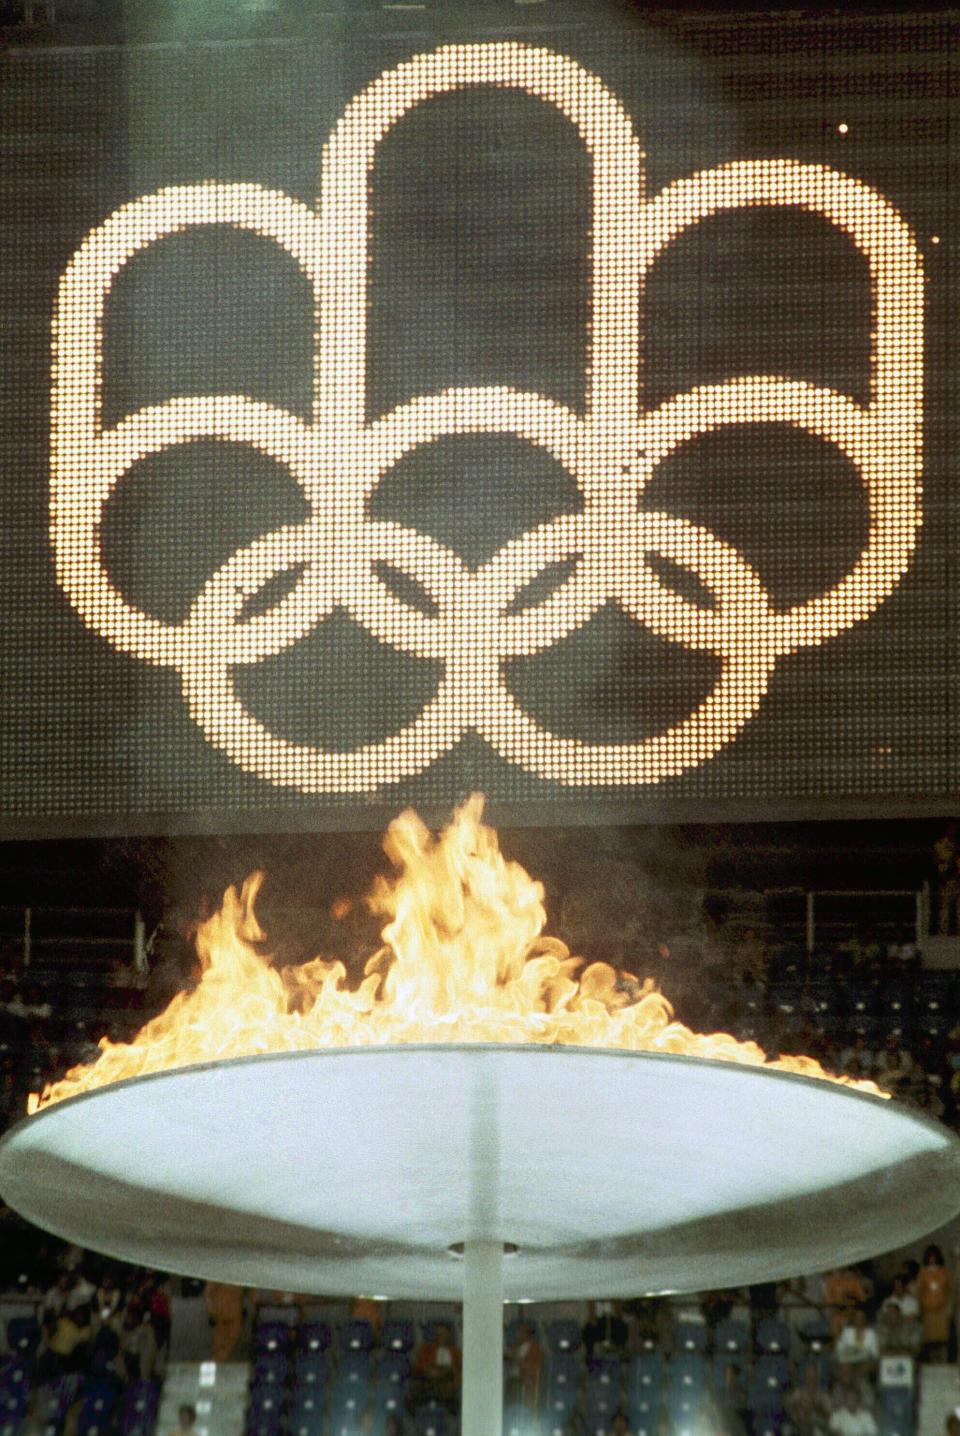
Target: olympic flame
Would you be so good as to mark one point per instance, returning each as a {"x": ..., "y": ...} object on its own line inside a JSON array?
[{"x": 464, "y": 959}]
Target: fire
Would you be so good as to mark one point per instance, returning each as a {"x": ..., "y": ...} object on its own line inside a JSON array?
[{"x": 464, "y": 959}]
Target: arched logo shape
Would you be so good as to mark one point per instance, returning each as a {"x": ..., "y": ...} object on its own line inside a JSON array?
[{"x": 611, "y": 452}]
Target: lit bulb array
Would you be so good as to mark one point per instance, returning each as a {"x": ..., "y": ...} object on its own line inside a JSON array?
[{"x": 611, "y": 452}]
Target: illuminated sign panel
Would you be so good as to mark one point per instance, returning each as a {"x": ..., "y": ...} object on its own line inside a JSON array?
[{"x": 346, "y": 575}]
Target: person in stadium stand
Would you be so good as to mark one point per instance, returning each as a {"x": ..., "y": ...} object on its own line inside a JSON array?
[
  {"x": 524, "y": 1367},
  {"x": 857, "y": 1059},
  {"x": 857, "y": 1343},
  {"x": 902, "y": 1296},
  {"x": 853, "y": 1417},
  {"x": 934, "y": 1290},
  {"x": 186, "y": 1416},
  {"x": 139, "y": 1349},
  {"x": 808, "y": 1405},
  {"x": 436, "y": 1371},
  {"x": 730, "y": 1405},
  {"x": 849, "y": 1378},
  {"x": 224, "y": 1306},
  {"x": 606, "y": 1327},
  {"x": 108, "y": 1300},
  {"x": 843, "y": 1290},
  {"x": 895, "y": 1065},
  {"x": 618, "y": 1426},
  {"x": 898, "y": 1335},
  {"x": 946, "y": 856}
]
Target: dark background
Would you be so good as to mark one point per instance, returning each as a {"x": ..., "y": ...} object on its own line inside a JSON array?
[{"x": 478, "y": 262}]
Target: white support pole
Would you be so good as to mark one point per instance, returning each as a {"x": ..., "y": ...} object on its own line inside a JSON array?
[{"x": 482, "y": 1395}]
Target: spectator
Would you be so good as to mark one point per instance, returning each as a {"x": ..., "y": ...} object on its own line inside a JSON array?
[
  {"x": 224, "y": 1305},
  {"x": 618, "y": 1426},
  {"x": 808, "y": 1405},
  {"x": 141, "y": 1356},
  {"x": 894, "y": 1064},
  {"x": 903, "y": 1297},
  {"x": 186, "y": 1417},
  {"x": 109, "y": 1300},
  {"x": 436, "y": 1371},
  {"x": 935, "y": 1294},
  {"x": 524, "y": 1367},
  {"x": 946, "y": 857},
  {"x": 850, "y": 1378},
  {"x": 897, "y": 1335},
  {"x": 857, "y": 1059},
  {"x": 857, "y": 1343},
  {"x": 844, "y": 1289},
  {"x": 606, "y": 1328},
  {"x": 853, "y": 1417}
]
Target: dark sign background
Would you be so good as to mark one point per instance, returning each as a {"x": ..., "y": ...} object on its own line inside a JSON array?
[{"x": 478, "y": 275}]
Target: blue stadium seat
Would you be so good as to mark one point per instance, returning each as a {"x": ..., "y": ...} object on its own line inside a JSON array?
[
  {"x": 690, "y": 1336},
  {"x": 306, "y": 1420},
  {"x": 313, "y": 1337},
  {"x": 896, "y": 1416},
  {"x": 816, "y": 1336},
  {"x": 722, "y": 1362},
  {"x": 821, "y": 1360},
  {"x": 520, "y": 1421},
  {"x": 563, "y": 1370},
  {"x": 773, "y": 1337},
  {"x": 348, "y": 1424},
  {"x": 397, "y": 1335},
  {"x": 432, "y": 1420},
  {"x": 388, "y": 1400},
  {"x": 139, "y": 1413},
  {"x": 646, "y": 1373},
  {"x": 646, "y": 1405},
  {"x": 394, "y": 1368},
  {"x": 731, "y": 1335},
  {"x": 562, "y": 1334},
  {"x": 272, "y": 1336},
  {"x": 54, "y": 1401},
  {"x": 13, "y": 1403},
  {"x": 605, "y": 1368},
  {"x": 348, "y": 1404},
  {"x": 312, "y": 1370},
  {"x": 271, "y": 1368},
  {"x": 355, "y": 1335},
  {"x": 686, "y": 1408},
  {"x": 768, "y": 1423},
  {"x": 641, "y": 1422},
  {"x": 354, "y": 1369},
  {"x": 935, "y": 994},
  {"x": 23, "y": 1335},
  {"x": 687, "y": 1372},
  {"x": 15, "y": 1372},
  {"x": 771, "y": 1373},
  {"x": 305, "y": 1402},
  {"x": 99, "y": 1399}
]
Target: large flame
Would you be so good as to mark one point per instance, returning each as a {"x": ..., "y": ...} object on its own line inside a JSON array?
[{"x": 464, "y": 959}]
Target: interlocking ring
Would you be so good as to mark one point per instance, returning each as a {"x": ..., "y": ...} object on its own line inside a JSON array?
[{"x": 611, "y": 452}]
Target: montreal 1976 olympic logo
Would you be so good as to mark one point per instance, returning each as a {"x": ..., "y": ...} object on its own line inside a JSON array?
[{"x": 611, "y": 451}]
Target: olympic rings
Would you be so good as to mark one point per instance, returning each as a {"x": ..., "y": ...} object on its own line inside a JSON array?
[{"x": 476, "y": 620}]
